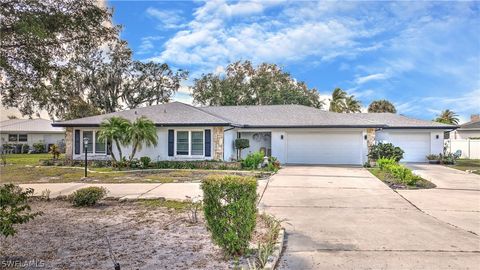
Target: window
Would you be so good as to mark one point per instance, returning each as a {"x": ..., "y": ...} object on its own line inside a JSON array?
[
  {"x": 12, "y": 137},
  {"x": 89, "y": 135},
  {"x": 182, "y": 143},
  {"x": 190, "y": 143},
  {"x": 22, "y": 137},
  {"x": 197, "y": 143},
  {"x": 99, "y": 145}
]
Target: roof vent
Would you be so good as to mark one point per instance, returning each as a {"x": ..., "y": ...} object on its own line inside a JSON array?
[
  {"x": 135, "y": 112},
  {"x": 164, "y": 110}
]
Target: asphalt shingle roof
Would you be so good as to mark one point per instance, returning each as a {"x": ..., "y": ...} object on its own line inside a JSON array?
[
  {"x": 471, "y": 125},
  {"x": 271, "y": 116},
  {"x": 400, "y": 121},
  {"x": 168, "y": 114},
  {"x": 29, "y": 125},
  {"x": 286, "y": 116}
]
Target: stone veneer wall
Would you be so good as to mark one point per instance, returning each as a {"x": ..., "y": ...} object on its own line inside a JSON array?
[
  {"x": 218, "y": 143},
  {"x": 69, "y": 143},
  {"x": 370, "y": 137}
]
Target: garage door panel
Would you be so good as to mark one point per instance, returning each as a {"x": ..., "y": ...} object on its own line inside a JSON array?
[
  {"x": 324, "y": 148},
  {"x": 415, "y": 145}
]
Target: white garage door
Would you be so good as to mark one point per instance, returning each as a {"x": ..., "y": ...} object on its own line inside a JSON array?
[
  {"x": 415, "y": 145},
  {"x": 324, "y": 147}
]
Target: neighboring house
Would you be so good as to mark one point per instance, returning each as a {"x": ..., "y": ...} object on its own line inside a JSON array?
[
  {"x": 468, "y": 130},
  {"x": 466, "y": 139},
  {"x": 30, "y": 131},
  {"x": 294, "y": 134}
]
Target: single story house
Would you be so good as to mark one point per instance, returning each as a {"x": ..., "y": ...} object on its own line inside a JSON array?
[
  {"x": 468, "y": 130},
  {"x": 30, "y": 131},
  {"x": 294, "y": 134}
]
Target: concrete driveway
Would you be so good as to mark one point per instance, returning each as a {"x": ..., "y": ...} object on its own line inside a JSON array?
[
  {"x": 345, "y": 218},
  {"x": 456, "y": 200}
]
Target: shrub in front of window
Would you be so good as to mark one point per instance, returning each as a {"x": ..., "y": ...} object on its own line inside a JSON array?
[
  {"x": 88, "y": 196},
  {"x": 14, "y": 208},
  {"x": 385, "y": 150},
  {"x": 253, "y": 160},
  {"x": 25, "y": 148},
  {"x": 39, "y": 147},
  {"x": 230, "y": 211}
]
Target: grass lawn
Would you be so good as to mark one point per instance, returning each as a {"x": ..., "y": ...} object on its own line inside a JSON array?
[
  {"x": 22, "y": 168},
  {"x": 398, "y": 184},
  {"x": 467, "y": 164},
  {"x": 27, "y": 159}
]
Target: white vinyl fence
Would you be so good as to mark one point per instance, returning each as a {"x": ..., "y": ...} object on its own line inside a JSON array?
[{"x": 470, "y": 148}]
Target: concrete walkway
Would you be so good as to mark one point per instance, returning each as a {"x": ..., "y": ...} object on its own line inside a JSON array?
[
  {"x": 345, "y": 218},
  {"x": 171, "y": 191},
  {"x": 456, "y": 200}
]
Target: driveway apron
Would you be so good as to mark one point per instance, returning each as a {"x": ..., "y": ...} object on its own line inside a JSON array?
[{"x": 344, "y": 218}]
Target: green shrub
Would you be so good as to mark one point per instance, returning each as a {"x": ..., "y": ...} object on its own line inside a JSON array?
[
  {"x": 14, "y": 208},
  {"x": 230, "y": 211},
  {"x": 402, "y": 173},
  {"x": 25, "y": 148},
  {"x": 39, "y": 147},
  {"x": 145, "y": 161},
  {"x": 88, "y": 196},
  {"x": 382, "y": 162},
  {"x": 385, "y": 150},
  {"x": 204, "y": 164},
  {"x": 55, "y": 151},
  {"x": 253, "y": 160}
]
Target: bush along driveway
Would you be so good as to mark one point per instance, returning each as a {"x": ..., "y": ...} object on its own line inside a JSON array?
[
  {"x": 345, "y": 218},
  {"x": 398, "y": 176}
]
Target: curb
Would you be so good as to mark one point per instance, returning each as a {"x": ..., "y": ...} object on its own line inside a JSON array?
[{"x": 277, "y": 251}]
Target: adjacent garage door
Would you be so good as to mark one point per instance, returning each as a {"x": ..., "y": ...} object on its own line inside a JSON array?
[
  {"x": 415, "y": 145},
  {"x": 324, "y": 147}
]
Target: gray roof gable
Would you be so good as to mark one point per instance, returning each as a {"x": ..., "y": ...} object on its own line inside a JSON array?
[
  {"x": 286, "y": 116},
  {"x": 258, "y": 116},
  {"x": 168, "y": 114},
  {"x": 29, "y": 126},
  {"x": 392, "y": 120},
  {"x": 474, "y": 125}
]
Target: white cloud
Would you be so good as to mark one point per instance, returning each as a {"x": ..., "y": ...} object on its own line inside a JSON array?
[
  {"x": 211, "y": 40},
  {"x": 371, "y": 77},
  {"x": 147, "y": 44},
  {"x": 168, "y": 18}
]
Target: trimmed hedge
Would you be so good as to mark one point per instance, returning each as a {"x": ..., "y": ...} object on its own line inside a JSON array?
[
  {"x": 88, "y": 196},
  {"x": 398, "y": 171},
  {"x": 230, "y": 211},
  {"x": 209, "y": 165}
]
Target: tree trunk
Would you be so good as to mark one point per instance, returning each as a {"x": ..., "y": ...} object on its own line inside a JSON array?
[
  {"x": 119, "y": 148},
  {"x": 134, "y": 151},
  {"x": 109, "y": 145}
]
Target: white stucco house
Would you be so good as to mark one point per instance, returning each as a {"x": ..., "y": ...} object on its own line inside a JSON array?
[
  {"x": 30, "y": 131},
  {"x": 294, "y": 134},
  {"x": 468, "y": 130}
]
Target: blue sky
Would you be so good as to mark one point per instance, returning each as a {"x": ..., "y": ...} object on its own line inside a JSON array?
[{"x": 423, "y": 56}]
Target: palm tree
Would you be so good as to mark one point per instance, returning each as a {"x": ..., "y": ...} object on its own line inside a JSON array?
[
  {"x": 142, "y": 131},
  {"x": 352, "y": 105},
  {"x": 114, "y": 129},
  {"x": 447, "y": 117},
  {"x": 381, "y": 106},
  {"x": 337, "y": 103}
]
